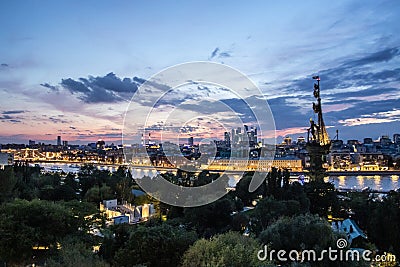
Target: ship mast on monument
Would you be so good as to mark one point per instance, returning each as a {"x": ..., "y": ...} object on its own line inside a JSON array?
[{"x": 318, "y": 142}]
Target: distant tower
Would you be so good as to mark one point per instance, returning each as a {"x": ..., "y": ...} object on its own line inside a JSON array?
[
  {"x": 59, "y": 143},
  {"x": 318, "y": 143}
]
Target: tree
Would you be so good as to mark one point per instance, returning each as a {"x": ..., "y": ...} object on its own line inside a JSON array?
[
  {"x": 161, "y": 245},
  {"x": 97, "y": 194},
  {"x": 295, "y": 191},
  {"x": 64, "y": 192},
  {"x": 322, "y": 197},
  {"x": 70, "y": 181},
  {"x": 242, "y": 190},
  {"x": 124, "y": 185},
  {"x": 7, "y": 183},
  {"x": 299, "y": 233},
  {"x": 205, "y": 177},
  {"x": 26, "y": 224},
  {"x": 75, "y": 253},
  {"x": 211, "y": 218},
  {"x": 381, "y": 225},
  {"x": 229, "y": 249},
  {"x": 239, "y": 222},
  {"x": 268, "y": 210}
]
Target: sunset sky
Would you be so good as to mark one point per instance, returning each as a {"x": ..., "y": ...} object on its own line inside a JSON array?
[{"x": 70, "y": 68}]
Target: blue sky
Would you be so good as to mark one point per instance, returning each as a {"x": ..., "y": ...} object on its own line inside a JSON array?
[{"x": 63, "y": 63}]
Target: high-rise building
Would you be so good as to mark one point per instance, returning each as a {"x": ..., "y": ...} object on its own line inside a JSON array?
[
  {"x": 65, "y": 143},
  {"x": 396, "y": 138},
  {"x": 227, "y": 138},
  {"x": 59, "y": 143},
  {"x": 31, "y": 143},
  {"x": 385, "y": 140},
  {"x": 190, "y": 141},
  {"x": 368, "y": 140}
]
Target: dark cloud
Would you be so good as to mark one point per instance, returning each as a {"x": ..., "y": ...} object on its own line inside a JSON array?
[
  {"x": 100, "y": 89},
  {"x": 380, "y": 56},
  {"x": 354, "y": 72},
  {"x": 361, "y": 108},
  {"x": 74, "y": 86},
  {"x": 57, "y": 120},
  {"x": 204, "y": 88},
  {"x": 139, "y": 80},
  {"x": 287, "y": 117},
  {"x": 5, "y": 117},
  {"x": 9, "y": 116},
  {"x": 217, "y": 54},
  {"x": 4, "y": 65},
  {"x": 214, "y": 53},
  {"x": 112, "y": 83},
  {"x": 224, "y": 54},
  {"x": 13, "y": 112},
  {"x": 47, "y": 85},
  {"x": 342, "y": 97}
]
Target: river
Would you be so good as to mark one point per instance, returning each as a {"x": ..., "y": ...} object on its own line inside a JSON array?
[{"x": 380, "y": 182}]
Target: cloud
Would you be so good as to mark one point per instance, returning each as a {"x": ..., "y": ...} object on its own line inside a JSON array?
[
  {"x": 7, "y": 118},
  {"x": 214, "y": 53},
  {"x": 376, "y": 117},
  {"x": 224, "y": 54},
  {"x": 57, "y": 120},
  {"x": 74, "y": 86},
  {"x": 13, "y": 112},
  {"x": 217, "y": 53},
  {"x": 100, "y": 89},
  {"x": 353, "y": 73},
  {"x": 380, "y": 56},
  {"x": 47, "y": 85},
  {"x": 4, "y": 65}
]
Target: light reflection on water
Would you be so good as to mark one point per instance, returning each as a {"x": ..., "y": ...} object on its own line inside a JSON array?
[{"x": 375, "y": 182}]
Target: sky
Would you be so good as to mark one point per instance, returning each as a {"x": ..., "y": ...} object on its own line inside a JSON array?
[{"x": 73, "y": 68}]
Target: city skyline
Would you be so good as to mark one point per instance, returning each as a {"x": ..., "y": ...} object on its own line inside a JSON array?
[{"x": 71, "y": 69}]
